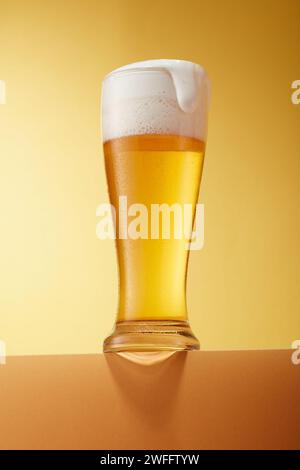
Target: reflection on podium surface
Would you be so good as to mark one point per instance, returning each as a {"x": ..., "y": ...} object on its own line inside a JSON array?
[
  {"x": 151, "y": 390},
  {"x": 147, "y": 358}
]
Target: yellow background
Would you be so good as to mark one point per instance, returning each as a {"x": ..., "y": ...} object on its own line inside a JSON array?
[{"x": 58, "y": 283}]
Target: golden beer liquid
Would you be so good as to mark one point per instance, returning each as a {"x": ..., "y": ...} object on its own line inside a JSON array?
[{"x": 153, "y": 169}]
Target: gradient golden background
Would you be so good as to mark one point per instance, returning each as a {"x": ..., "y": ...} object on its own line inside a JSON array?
[{"x": 58, "y": 283}]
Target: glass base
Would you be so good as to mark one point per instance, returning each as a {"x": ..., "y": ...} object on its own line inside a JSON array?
[{"x": 152, "y": 335}]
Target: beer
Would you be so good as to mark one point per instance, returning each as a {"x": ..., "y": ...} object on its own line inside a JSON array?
[
  {"x": 154, "y": 124},
  {"x": 151, "y": 169}
]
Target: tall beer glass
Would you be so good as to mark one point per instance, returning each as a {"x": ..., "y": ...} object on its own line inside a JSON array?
[{"x": 154, "y": 119}]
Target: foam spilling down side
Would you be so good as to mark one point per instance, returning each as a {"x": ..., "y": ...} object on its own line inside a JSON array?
[{"x": 148, "y": 99}]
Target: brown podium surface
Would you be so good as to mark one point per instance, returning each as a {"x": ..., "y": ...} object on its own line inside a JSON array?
[{"x": 196, "y": 400}]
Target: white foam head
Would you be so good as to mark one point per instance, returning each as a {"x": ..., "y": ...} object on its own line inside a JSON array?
[{"x": 155, "y": 97}]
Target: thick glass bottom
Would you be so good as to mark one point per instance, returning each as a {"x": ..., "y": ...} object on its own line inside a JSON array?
[{"x": 151, "y": 336}]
